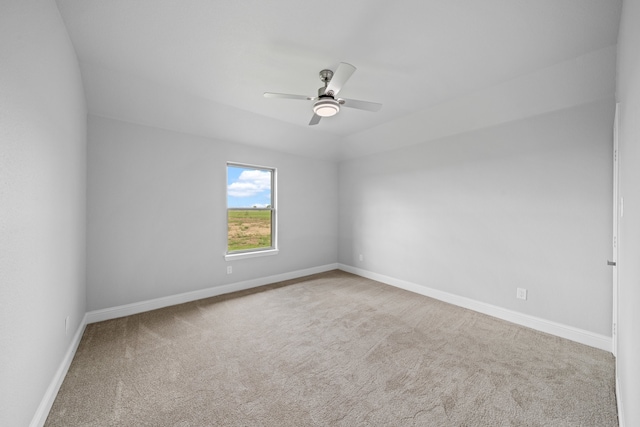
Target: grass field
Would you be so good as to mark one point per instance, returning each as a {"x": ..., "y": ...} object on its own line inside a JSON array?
[{"x": 249, "y": 229}]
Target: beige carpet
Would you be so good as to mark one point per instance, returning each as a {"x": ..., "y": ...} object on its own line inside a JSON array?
[{"x": 330, "y": 350}]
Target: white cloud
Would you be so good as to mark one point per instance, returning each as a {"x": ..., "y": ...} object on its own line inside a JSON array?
[{"x": 250, "y": 183}]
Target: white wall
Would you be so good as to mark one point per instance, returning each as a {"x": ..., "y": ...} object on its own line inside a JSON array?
[
  {"x": 42, "y": 202},
  {"x": 157, "y": 213},
  {"x": 523, "y": 204},
  {"x": 628, "y": 94}
]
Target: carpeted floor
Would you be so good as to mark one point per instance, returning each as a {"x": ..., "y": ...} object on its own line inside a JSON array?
[{"x": 330, "y": 350}]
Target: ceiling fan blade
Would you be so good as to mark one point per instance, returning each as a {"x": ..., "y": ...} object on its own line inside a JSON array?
[
  {"x": 340, "y": 77},
  {"x": 315, "y": 120},
  {"x": 288, "y": 96},
  {"x": 361, "y": 105}
]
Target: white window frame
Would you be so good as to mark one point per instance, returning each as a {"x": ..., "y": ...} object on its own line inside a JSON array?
[{"x": 256, "y": 252}]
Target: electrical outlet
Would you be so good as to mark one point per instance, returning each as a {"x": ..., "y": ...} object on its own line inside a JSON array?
[
  {"x": 229, "y": 269},
  {"x": 521, "y": 293},
  {"x": 66, "y": 325},
  {"x": 361, "y": 257}
]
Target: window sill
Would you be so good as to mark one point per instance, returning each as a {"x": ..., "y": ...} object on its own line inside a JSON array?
[{"x": 243, "y": 255}]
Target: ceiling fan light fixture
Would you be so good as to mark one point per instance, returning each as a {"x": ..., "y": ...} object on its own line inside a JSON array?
[{"x": 326, "y": 107}]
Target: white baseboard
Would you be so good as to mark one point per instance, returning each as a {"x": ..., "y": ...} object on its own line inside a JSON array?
[
  {"x": 569, "y": 332},
  {"x": 49, "y": 397},
  {"x": 142, "y": 306}
]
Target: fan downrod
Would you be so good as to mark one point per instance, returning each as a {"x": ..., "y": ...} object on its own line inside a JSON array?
[{"x": 325, "y": 76}]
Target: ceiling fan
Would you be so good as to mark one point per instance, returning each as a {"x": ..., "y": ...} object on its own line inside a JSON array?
[{"x": 327, "y": 103}]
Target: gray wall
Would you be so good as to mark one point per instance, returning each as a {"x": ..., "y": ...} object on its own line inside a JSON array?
[
  {"x": 42, "y": 202},
  {"x": 157, "y": 213},
  {"x": 628, "y": 94},
  {"x": 523, "y": 204}
]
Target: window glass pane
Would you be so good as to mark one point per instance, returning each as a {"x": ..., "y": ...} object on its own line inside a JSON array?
[
  {"x": 250, "y": 210},
  {"x": 248, "y": 187},
  {"x": 249, "y": 229}
]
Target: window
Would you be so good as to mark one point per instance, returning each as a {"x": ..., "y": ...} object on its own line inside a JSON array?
[{"x": 251, "y": 211}]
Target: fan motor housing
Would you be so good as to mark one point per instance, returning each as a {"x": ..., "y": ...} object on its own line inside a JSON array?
[{"x": 322, "y": 93}]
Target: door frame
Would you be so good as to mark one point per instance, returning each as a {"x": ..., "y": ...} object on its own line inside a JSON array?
[{"x": 617, "y": 213}]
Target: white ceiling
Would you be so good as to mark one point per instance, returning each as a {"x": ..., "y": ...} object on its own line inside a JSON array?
[{"x": 201, "y": 66}]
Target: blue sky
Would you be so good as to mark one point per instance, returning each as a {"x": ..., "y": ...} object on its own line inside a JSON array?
[{"x": 247, "y": 187}]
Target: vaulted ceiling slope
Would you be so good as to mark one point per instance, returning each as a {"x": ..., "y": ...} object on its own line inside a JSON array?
[{"x": 202, "y": 66}]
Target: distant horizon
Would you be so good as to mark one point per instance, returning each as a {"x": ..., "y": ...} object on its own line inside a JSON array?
[{"x": 248, "y": 188}]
